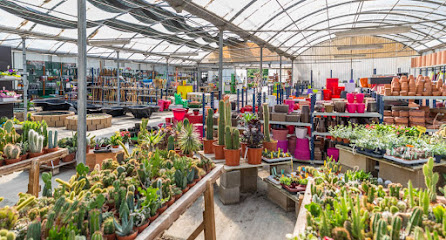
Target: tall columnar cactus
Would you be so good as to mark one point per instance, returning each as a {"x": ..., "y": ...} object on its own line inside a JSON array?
[
  {"x": 221, "y": 123},
  {"x": 227, "y": 112},
  {"x": 95, "y": 220},
  {"x": 228, "y": 139},
  {"x": 45, "y": 133},
  {"x": 396, "y": 228},
  {"x": 381, "y": 230},
  {"x": 171, "y": 143},
  {"x": 47, "y": 189},
  {"x": 34, "y": 230},
  {"x": 411, "y": 194},
  {"x": 266, "y": 122},
  {"x": 430, "y": 179},
  {"x": 415, "y": 219},
  {"x": 130, "y": 198},
  {"x": 210, "y": 125},
  {"x": 36, "y": 142},
  {"x": 52, "y": 141},
  {"x": 235, "y": 139},
  {"x": 109, "y": 226}
]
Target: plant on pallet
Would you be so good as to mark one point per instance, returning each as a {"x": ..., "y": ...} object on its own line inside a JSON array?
[
  {"x": 220, "y": 144},
  {"x": 208, "y": 142},
  {"x": 232, "y": 146}
]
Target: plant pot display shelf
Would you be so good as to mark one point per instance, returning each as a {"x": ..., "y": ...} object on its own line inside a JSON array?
[
  {"x": 94, "y": 122},
  {"x": 53, "y": 118}
]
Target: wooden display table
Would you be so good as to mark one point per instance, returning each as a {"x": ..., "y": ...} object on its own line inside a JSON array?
[
  {"x": 165, "y": 220},
  {"x": 283, "y": 198},
  {"x": 388, "y": 170},
  {"x": 33, "y": 164},
  {"x": 97, "y": 158}
]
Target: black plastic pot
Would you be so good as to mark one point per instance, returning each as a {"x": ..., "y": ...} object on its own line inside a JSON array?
[
  {"x": 142, "y": 111},
  {"x": 52, "y": 104},
  {"x": 91, "y": 108},
  {"x": 438, "y": 158},
  {"x": 114, "y": 111}
]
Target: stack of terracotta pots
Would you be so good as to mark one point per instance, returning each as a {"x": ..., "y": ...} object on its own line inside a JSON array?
[
  {"x": 408, "y": 86},
  {"x": 417, "y": 117},
  {"x": 404, "y": 83},
  {"x": 433, "y": 59},
  {"x": 395, "y": 87}
]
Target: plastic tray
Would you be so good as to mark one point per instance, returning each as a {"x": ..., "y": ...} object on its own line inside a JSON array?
[
  {"x": 274, "y": 160},
  {"x": 406, "y": 162}
]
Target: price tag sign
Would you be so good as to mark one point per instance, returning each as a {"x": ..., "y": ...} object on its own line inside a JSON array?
[{"x": 421, "y": 129}]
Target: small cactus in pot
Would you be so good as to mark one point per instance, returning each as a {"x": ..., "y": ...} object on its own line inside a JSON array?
[
  {"x": 209, "y": 140},
  {"x": 35, "y": 143},
  {"x": 12, "y": 153},
  {"x": 52, "y": 141}
]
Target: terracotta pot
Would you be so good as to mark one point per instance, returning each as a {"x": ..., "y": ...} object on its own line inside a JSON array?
[
  {"x": 69, "y": 157},
  {"x": 110, "y": 236},
  {"x": 346, "y": 140},
  {"x": 162, "y": 209},
  {"x": 219, "y": 151},
  {"x": 55, "y": 162},
  {"x": 280, "y": 134},
  {"x": 338, "y": 139},
  {"x": 87, "y": 149},
  {"x": 232, "y": 157},
  {"x": 185, "y": 190},
  {"x": 152, "y": 218},
  {"x": 33, "y": 155},
  {"x": 254, "y": 155},
  {"x": 142, "y": 227},
  {"x": 208, "y": 146},
  {"x": 243, "y": 149},
  {"x": 24, "y": 156},
  {"x": 49, "y": 150},
  {"x": 178, "y": 196},
  {"x": 1, "y": 162},
  {"x": 271, "y": 146},
  {"x": 129, "y": 237},
  {"x": 292, "y": 144},
  {"x": 171, "y": 201},
  {"x": 190, "y": 185},
  {"x": 115, "y": 146},
  {"x": 12, "y": 161}
]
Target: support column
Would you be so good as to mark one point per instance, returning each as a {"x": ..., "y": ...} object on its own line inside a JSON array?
[
  {"x": 25, "y": 80},
  {"x": 280, "y": 70},
  {"x": 199, "y": 77},
  {"x": 261, "y": 66},
  {"x": 292, "y": 72},
  {"x": 220, "y": 62},
  {"x": 82, "y": 81},
  {"x": 117, "y": 76}
]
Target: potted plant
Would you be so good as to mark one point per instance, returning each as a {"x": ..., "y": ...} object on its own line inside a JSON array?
[
  {"x": 189, "y": 140},
  {"x": 12, "y": 153},
  {"x": 254, "y": 140},
  {"x": 52, "y": 142},
  {"x": 124, "y": 231},
  {"x": 220, "y": 145},
  {"x": 209, "y": 141},
  {"x": 232, "y": 147},
  {"x": 35, "y": 144},
  {"x": 268, "y": 143},
  {"x": 114, "y": 140},
  {"x": 109, "y": 229},
  {"x": 24, "y": 150}
]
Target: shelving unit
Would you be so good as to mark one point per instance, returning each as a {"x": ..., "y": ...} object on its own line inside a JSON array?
[
  {"x": 366, "y": 114},
  {"x": 299, "y": 124}
]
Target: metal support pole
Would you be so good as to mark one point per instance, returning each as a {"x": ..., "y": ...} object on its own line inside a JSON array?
[
  {"x": 261, "y": 67},
  {"x": 220, "y": 62},
  {"x": 259, "y": 100},
  {"x": 117, "y": 77},
  {"x": 204, "y": 112},
  {"x": 212, "y": 100},
  {"x": 243, "y": 98},
  {"x": 25, "y": 80},
  {"x": 237, "y": 106},
  {"x": 351, "y": 74},
  {"x": 292, "y": 72},
  {"x": 331, "y": 73},
  {"x": 82, "y": 81},
  {"x": 167, "y": 70},
  {"x": 280, "y": 69},
  {"x": 253, "y": 102},
  {"x": 311, "y": 78}
]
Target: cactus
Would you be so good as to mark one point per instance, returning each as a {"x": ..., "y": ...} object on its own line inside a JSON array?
[
  {"x": 44, "y": 133},
  {"x": 411, "y": 194},
  {"x": 221, "y": 123},
  {"x": 52, "y": 142},
  {"x": 415, "y": 219},
  {"x": 25, "y": 203},
  {"x": 424, "y": 200},
  {"x": 126, "y": 226},
  {"x": 95, "y": 220},
  {"x": 34, "y": 230},
  {"x": 171, "y": 143},
  {"x": 325, "y": 226},
  {"x": 396, "y": 228},
  {"x": 97, "y": 236},
  {"x": 12, "y": 151},
  {"x": 430, "y": 179},
  {"x": 394, "y": 189},
  {"x": 357, "y": 225},
  {"x": 47, "y": 189},
  {"x": 10, "y": 236},
  {"x": 381, "y": 230},
  {"x": 7, "y": 149},
  {"x": 235, "y": 139},
  {"x": 418, "y": 233},
  {"x": 210, "y": 125},
  {"x": 130, "y": 199},
  {"x": 8, "y": 126},
  {"x": 374, "y": 221},
  {"x": 109, "y": 226},
  {"x": 340, "y": 233},
  {"x": 266, "y": 122},
  {"x": 8, "y": 218},
  {"x": 228, "y": 139},
  {"x": 227, "y": 112},
  {"x": 36, "y": 142}
]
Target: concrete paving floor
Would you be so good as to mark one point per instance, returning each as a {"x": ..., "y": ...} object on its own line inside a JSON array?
[{"x": 255, "y": 217}]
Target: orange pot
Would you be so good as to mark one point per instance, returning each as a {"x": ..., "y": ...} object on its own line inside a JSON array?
[
  {"x": 12, "y": 161},
  {"x": 219, "y": 151},
  {"x": 254, "y": 155},
  {"x": 49, "y": 150},
  {"x": 33, "y": 155},
  {"x": 110, "y": 236},
  {"x": 208, "y": 146},
  {"x": 232, "y": 157},
  {"x": 129, "y": 237},
  {"x": 243, "y": 149},
  {"x": 271, "y": 146}
]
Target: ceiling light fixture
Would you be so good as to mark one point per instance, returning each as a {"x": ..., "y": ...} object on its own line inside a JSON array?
[
  {"x": 360, "y": 47},
  {"x": 98, "y": 43},
  {"x": 373, "y": 31}
]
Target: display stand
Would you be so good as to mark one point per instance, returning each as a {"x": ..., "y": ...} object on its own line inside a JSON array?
[
  {"x": 283, "y": 198},
  {"x": 33, "y": 164},
  {"x": 165, "y": 220}
]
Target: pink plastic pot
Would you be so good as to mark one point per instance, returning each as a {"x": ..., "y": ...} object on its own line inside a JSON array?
[
  {"x": 280, "y": 134},
  {"x": 179, "y": 114},
  {"x": 360, "y": 97},
  {"x": 333, "y": 152},
  {"x": 290, "y": 103},
  {"x": 282, "y": 145},
  {"x": 351, "y": 107},
  {"x": 351, "y": 97},
  {"x": 302, "y": 151},
  {"x": 360, "y": 107}
]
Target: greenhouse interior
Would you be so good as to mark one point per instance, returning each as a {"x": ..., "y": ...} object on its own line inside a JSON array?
[{"x": 222, "y": 119}]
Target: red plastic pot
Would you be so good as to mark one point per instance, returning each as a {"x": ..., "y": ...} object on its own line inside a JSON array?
[{"x": 179, "y": 114}]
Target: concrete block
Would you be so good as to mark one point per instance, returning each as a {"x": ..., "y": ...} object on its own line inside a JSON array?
[
  {"x": 229, "y": 195},
  {"x": 279, "y": 198},
  {"x": 248, "y": 180},
  {"x": 230, "y": 179}
]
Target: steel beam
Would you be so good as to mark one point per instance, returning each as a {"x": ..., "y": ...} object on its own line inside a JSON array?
[
  {"x": 24, "y": 79},
  {"x": 118, "y": 73},
  {"x": 82, "y": 82},
  {"x": 220, "y": 62}
]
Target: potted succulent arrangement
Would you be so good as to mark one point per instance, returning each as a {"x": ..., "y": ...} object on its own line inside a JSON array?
[
  {"x": 71, "y": 144},
  {"x": 232, "y": 147},
  {"x": 254, "y": 140},
  {"x": 208, "y": 142},
  {"x": 35, "y": 144},
  {"x": 114, "y": 140},
  {"x": 220, "y": 144},
  {"x": 268, "y": 143},
  {"x": 12, "y": 153},
  {"x": 293, "y": 184}
]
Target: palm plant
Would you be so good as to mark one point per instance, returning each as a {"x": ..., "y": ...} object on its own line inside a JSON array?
[{"x": 188, "y": 140}]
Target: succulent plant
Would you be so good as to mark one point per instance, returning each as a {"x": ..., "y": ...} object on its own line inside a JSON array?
[
  {"x": 430, "y": 179},
  {"x": 35, "y": 142},
  {"x": 34, "y": 230},
  {"x": 210, "y": 125},
  {"x": 221, "y": 123},
  {"x": 109, "y": 226},
  {"x": 95, "y": 220},
  {"x": 97, "y": 236},
  {"x": 171, "y": 143},
  {"x": 266, "y": 122},
  {"x": 126, "y": 226},
  {"x": 47, "y": 189},
  {"x": 12, "y": 151},
  {"x": 52, "y": 142}
]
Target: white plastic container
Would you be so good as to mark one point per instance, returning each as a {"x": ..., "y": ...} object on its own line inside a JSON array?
[{"x": 301, "y": 132}]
